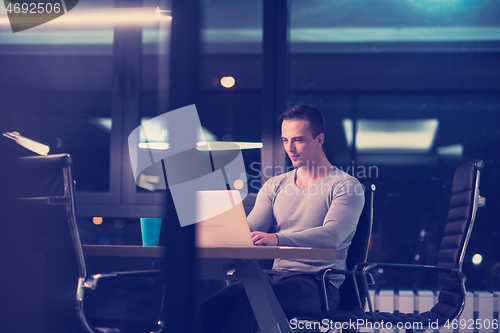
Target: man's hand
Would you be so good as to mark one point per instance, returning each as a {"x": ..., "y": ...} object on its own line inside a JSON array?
[{"x": 264, "y": 238}]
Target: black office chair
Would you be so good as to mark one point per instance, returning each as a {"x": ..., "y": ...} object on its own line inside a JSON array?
[
  {"x": 358, "y": 253},
  {"x": 464, "y": 203},
  {"x": 50, "y": 255}
]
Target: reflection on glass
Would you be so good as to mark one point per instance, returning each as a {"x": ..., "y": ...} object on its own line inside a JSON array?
[
  {"x": 456, "y": 150},
  {"x": 29, "y": 144},
  {"x": 408, "y": 136}
]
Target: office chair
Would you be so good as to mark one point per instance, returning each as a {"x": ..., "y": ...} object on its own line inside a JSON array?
[
  {"x": 51, "y": 254},
  {"x": 464, "y": 203},
  {"x": 358, "y": 253}
]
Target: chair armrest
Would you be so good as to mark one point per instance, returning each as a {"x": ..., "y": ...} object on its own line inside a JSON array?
[
  {"x": 346, "y": 272},
  {"x": 371, "y": 265},
  {"x": 322, "y": 275},
  {"x": 366, "y": 267},
  {"x": 91, "y": 282}
]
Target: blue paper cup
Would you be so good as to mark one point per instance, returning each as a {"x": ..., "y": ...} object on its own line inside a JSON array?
[{"x": 150, "y": 230}]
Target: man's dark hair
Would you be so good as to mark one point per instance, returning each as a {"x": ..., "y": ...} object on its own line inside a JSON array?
[{"x": 307, "y": 112}]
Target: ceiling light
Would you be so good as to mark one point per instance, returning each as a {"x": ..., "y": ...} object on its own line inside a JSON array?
[
  {"x": 227, "y": 81},
  {"x": 225, "y": 145}
]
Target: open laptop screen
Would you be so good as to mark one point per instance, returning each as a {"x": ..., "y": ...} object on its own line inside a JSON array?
[{"x": 223, "y": 222}]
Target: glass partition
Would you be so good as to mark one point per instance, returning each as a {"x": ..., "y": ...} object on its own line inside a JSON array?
[
  {"x": 77, "y": 84},
  {"x": 57, "y": 86},
  {"x": 410, "y": 91},
  {"x": 231, "y": 78}
]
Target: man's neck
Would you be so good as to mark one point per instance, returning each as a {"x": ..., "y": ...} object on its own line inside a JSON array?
[{"x": 314, "y": 171}]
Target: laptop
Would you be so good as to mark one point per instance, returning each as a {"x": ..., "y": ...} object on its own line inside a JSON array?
[{"x": 222, "y": 220}]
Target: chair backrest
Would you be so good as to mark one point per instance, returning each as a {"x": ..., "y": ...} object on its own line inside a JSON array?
[
  {"x": 358, "y": 252},
  {"x": 47, "y": 237},
  {"x": 464, "y": 203}
]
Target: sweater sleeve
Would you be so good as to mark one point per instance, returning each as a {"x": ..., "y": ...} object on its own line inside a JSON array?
[
  {"x": 261, "y": 217},
  {"x": 339, "y": 223}
]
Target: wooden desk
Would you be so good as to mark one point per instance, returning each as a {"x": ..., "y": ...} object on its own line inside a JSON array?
[
  {"x": 257, "y": 252},
  {"x": 235, "y": 263},
  {"x": 123, "y": 251}
]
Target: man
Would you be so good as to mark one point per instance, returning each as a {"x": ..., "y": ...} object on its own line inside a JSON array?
[{"x": 315, "y": 205}]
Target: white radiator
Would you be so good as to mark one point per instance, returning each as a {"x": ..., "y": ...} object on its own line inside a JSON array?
[{"x": 481, "y": 313}]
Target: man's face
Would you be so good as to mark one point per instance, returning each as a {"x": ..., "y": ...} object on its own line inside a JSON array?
[{"x": 299, "y": 143}]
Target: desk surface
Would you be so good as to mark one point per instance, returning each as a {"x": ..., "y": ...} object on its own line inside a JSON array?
[
  {"x": 264, "y": 304},
  {"x": 258, "y": 252}
]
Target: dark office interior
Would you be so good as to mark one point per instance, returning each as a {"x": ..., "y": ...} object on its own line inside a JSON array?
[{"x": 410, "y": 90}]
